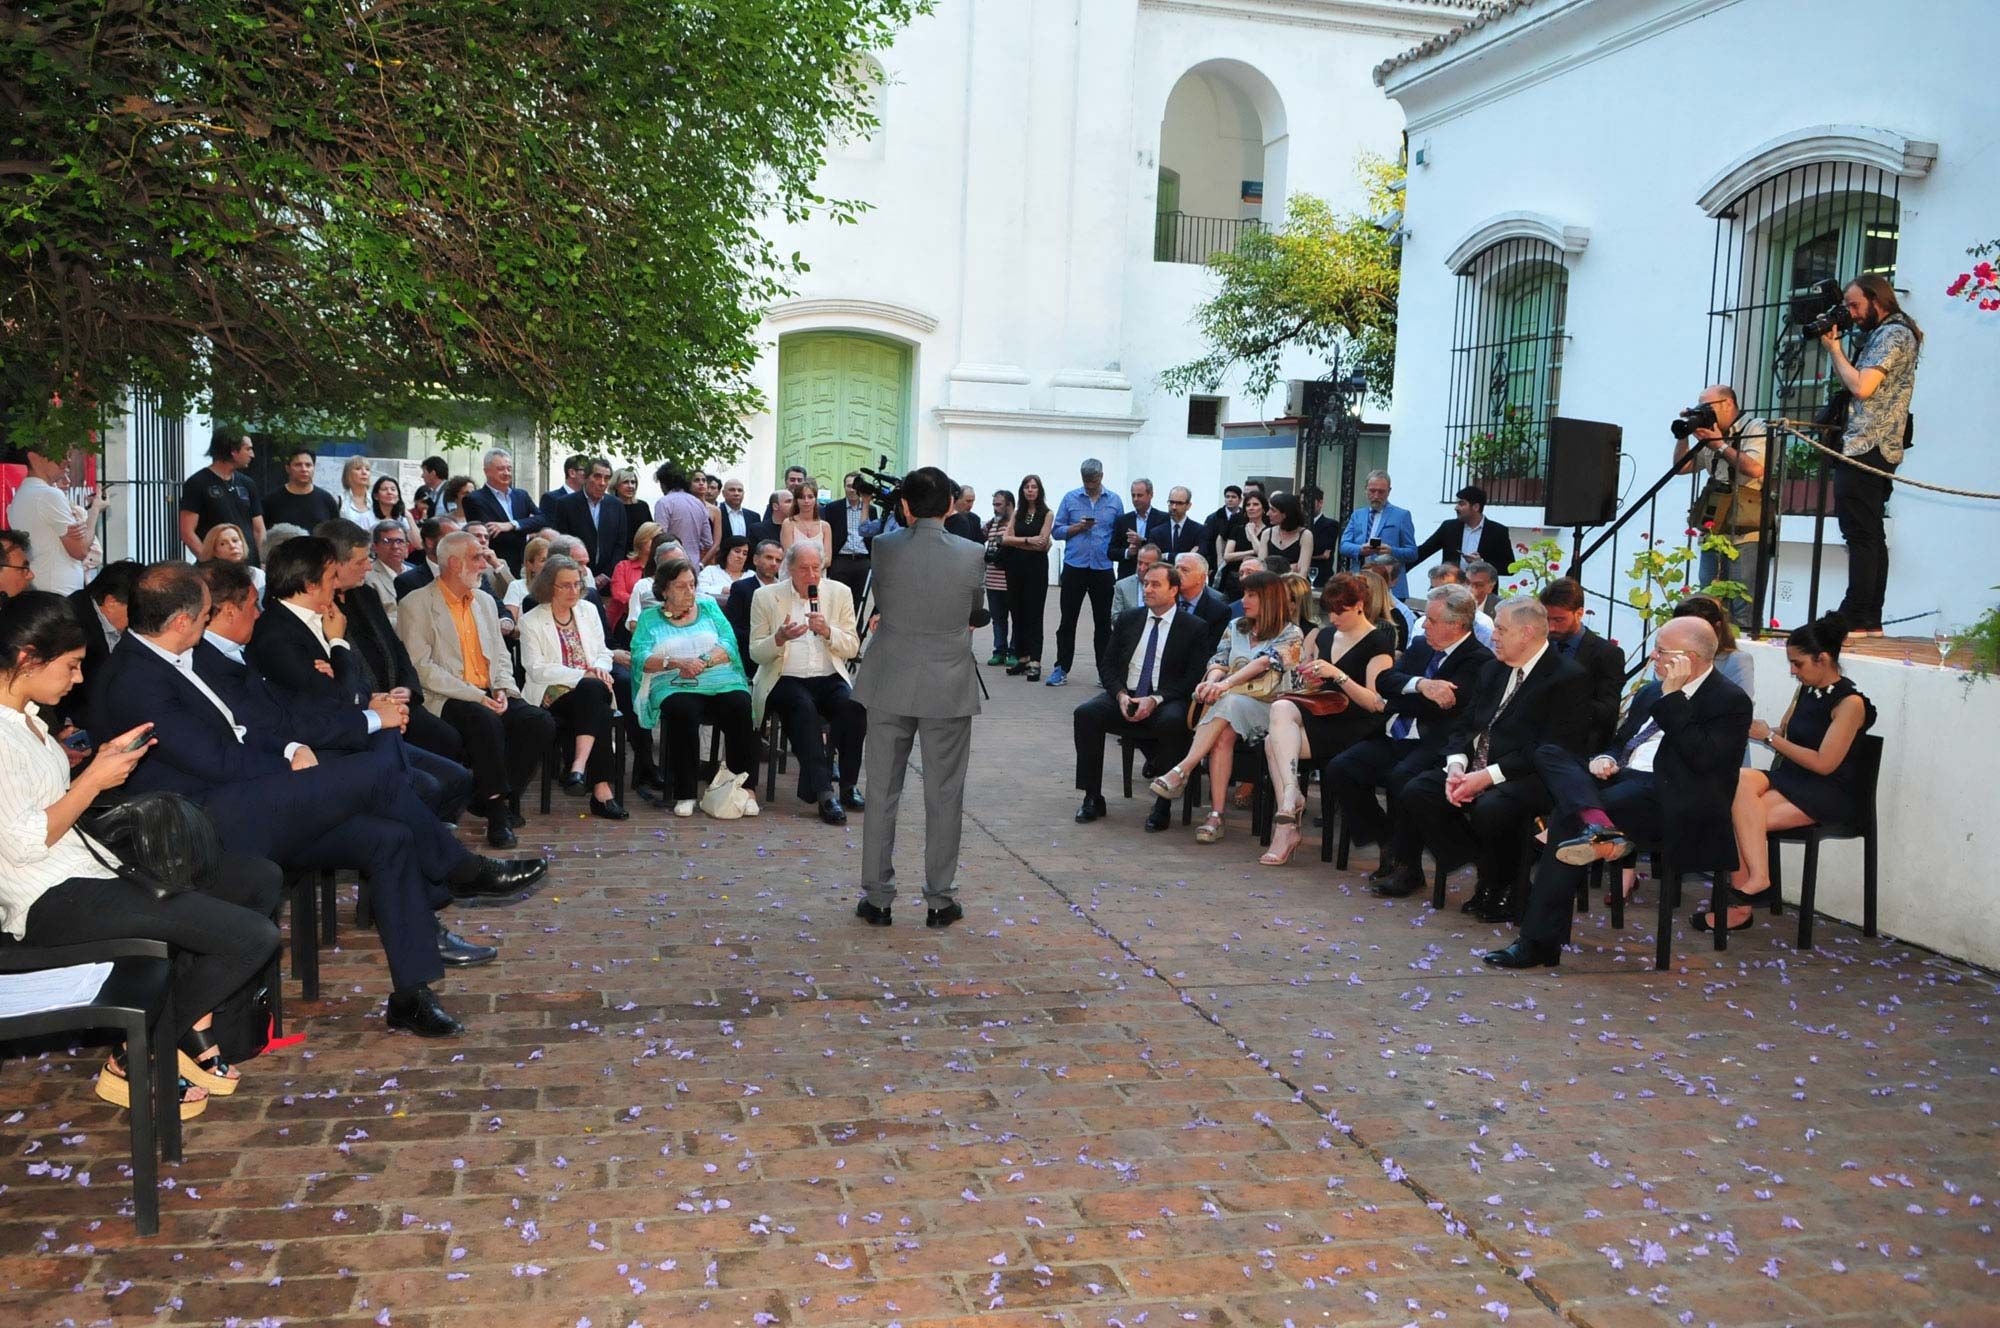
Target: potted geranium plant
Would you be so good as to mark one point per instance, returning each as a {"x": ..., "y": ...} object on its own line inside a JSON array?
[{"x": 1504, "y": 461}]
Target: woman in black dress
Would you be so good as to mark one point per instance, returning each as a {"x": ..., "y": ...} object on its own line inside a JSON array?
[
  {"x": 1817, "y": 778},
  {"x": 1342, "y": 660},
  {"x": 1291, "y": 537},
  {"x": 1024, "y": 554}
]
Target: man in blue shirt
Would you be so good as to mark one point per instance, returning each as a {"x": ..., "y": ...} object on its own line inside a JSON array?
[
  {"x": 1380, "y": 527},
  {"x": 1083, "y": 523}
]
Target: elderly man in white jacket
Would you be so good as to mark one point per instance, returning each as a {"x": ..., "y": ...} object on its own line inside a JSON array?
[
  {"x": 568, "y": 669},
  {"x": 802, "y": 636}
]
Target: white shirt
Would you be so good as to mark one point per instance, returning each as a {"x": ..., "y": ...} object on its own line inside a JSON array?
[
  {"x": 1468, "y": 544},
  {"x": 34, "y": 776},
  {"x": 111, "y": 634},
  {"x": 316, "y": 624},
  {"x": 45, "y": 514},
  {"x": 1457, "y": 761},
  {"x": 1155, "y": 630},
  {"x": 1410, "y": 687},
  {"x": 359, "y": 515},
  {"x": 807, "y": 656},
  {"x": 1647, "y": 752},
  {"x": 735, "y": 521}
]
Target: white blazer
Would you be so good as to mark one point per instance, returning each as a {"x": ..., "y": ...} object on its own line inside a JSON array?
[
  {"x": 541, "y": 649},
  {"x": 770, "y": 607}
]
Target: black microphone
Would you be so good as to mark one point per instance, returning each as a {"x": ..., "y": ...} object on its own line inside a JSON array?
[{"x": 812, "y": 597}]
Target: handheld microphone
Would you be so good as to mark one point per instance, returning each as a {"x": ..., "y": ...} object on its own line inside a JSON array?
[{"x": 812, "y": 597}]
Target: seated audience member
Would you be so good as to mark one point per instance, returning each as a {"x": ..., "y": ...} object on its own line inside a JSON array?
[
  {"x": 1405, "y": 621},
  {"x": 100, "y": 608},
  {"x": 515, "y": 604},
  {"x": 1156, "y": 657},
  {"x": 1601, "y": 662},
  {"x": 452, "y": 632},
  {"x": 390, "y": 545},
  {"x": 664, "y": 548},
  {"x": 732, "y": 563},
  {"x": 495, "y": 575},
  {"x": 1305, "y": 605},
  {"x": 594, "y": 515},
  {"x": 1199, "y": 598},
  {"x": 1479, "y": 806},
  {"x": 692, "y": 675},
  {"x": 56, "y": 889},
  {"x": 1451, "y": 574},
  {"x": 1668, "y": 776},
  {"x": 384, "y": 667},
  {"x": 1246, "y": 567},
  {"x": 422, "y": 571},
  {"x": 1344, "y": 659},
  {"x": 1125, "y": 593},
  {"x": 636, "y": 565},
  {"x": 270, "y": 795},
  {"x": 1423, "y": 690},
  {"x": 277, "y": 535},
  {"x": 17, "y": 568},
  {"x": 1263, "y": 640},
  {"x": 568, "y": 670},
  {"x": 766, "y": 561},
  {"x": 1739, "y": 666},
  {"x": 1817, "y": 777},
  {"x": 226, "y": 542},
  {"x": 803, "y": 640}
]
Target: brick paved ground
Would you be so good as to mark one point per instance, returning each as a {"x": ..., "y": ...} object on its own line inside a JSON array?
[{"x": 1143, "y": 1083}]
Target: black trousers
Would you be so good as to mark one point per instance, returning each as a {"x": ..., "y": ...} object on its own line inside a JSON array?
[
  {"x": 585, "y": 711},
  {"x": 220, "y": 945},
  {"x": 681, "y": 718},
  {"x": 850, "y": 570},
  {"x": 1099, "y": 719},
  {"x": 504, "y": 751},
  {"x": 1859, "y": 501},
  {"x": 442, "y": 784},
  {"x": 1378, "y": 762},
  {"x": 1078, "y": 584},
  {"x": 1487, "y": 832},
  {"x": 1027, "y": 601},
  {"x": 1629, "y": 798},
  {"x": 800, "y": 704},
  {"x": 638, "y": 740}
]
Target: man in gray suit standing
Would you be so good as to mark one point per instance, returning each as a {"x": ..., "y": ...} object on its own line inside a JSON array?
[{"x": 918, "y": 678}]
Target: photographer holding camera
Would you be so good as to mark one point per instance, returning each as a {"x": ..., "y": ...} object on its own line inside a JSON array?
[
  {"x": 1878, "y": 382},
  {"x": 1713, "y": 436}
]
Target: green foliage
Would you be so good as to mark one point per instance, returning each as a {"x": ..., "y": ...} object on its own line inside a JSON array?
[
  {"x": 1983, "y": 639},
  {"x": 1324, "y": 281},
  {"x": 355, "y": 212},
  {"x": 1539, "y": 564},
  {"x": 1508, "y": 452},
  {"x": 1659, "y": 576}
]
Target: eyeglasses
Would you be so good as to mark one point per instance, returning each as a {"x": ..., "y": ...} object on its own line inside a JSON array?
[{"x": 13, "y": 567}]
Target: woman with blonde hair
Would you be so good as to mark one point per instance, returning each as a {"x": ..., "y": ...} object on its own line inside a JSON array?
[
  {"x": 227, "y": 544},
  {"x": 357, "y": 485},
  {"x": 1256, "y": 653}
]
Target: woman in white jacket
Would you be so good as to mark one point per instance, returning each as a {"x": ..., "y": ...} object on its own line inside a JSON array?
[{"x": 569, "y": 675}]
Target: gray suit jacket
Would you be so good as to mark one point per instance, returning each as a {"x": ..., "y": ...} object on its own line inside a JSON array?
[
  {"x": 928, "y": 586},
  {"x": 431, "y": 636}
]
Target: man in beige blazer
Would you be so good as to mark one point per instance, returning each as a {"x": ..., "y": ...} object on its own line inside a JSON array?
[
  {"x": 452, "y": 632},
  {"x": 803, "y": 639}
]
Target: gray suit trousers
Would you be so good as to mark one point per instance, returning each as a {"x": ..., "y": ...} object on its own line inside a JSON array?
[{"x": 947, "y": 744}]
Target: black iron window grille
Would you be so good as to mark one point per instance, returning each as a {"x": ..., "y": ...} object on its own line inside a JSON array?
[
  {"x": 1506, "y": 370},
  {"x": 159, "y": 468}
]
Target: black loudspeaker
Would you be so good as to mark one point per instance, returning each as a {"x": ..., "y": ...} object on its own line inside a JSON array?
[{"x": 1583, "y": 472}]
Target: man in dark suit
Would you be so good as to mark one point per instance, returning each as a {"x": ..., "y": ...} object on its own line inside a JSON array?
[
  {"x": 1489, "y": 540},
  {"x": 1325, "y": 530},
  {"x": 573, "y": 472},
  {"x": 100, "y": 608},
  {"x": 422, "y": 569},
  {"x": 1478, "y": 807},
  {"x": 1157, "y": 656},
  {"x": 1601, "y": 662},
  {"x": 1669, "y": 774},
  {"x": 1218, "y": 522},
  {"x": 765, "y": 560},
  {"x": 1426, "y": 688},
  {"x": 509, "y": 515},
  {"x": 1143, "y": 523},
  {"x": 596, "y": 518},
  {"x": 1184, "y": 533},
  {"x": 963, "y": 521},
  {"x": 1200, "y": 598}
]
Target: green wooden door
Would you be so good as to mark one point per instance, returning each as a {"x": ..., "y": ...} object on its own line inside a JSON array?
[{"x": 842, "y": 402}]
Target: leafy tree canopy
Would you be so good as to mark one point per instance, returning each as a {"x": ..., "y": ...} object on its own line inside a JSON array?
[
  {"x": 357, "y": 212},
  {"x": 1321, "y": 282}
]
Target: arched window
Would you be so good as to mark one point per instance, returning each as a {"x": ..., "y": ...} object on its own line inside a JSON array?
[
  {"x": 1221, "y": 162},
  {"x": 1506, "y": 368}
]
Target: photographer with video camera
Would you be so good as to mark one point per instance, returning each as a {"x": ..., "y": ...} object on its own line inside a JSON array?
[
  {"x": 1713, "y": 436},
  {"x": 1877, "y": 383}
]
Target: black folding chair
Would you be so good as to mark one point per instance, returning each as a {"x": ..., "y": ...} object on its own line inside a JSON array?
[
  {"x": 151, "y": 1068},
  {"x": 1868, "y": 751}
]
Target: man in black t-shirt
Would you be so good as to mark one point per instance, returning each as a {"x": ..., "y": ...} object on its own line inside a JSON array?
[
  {"x": 298, "y": 501},
  {"x": 219, "y": 494}
]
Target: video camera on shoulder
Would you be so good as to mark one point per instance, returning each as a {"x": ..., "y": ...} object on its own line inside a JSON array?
[{"x": 879, "y": 485}]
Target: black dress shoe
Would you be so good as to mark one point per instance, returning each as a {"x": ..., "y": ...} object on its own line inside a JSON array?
[
  {"x": 1093, "y": 807},
  {"x": 497, "y": 882},
  {"x": 1497, "y": 910},
  {"x": 1384, "y": 871},
  {"x": 1161, "y": 817},
  {"x": 940, "y": 918},
  {"x": 416, "y": 1010},
  {"x": 853, "y": 801},
  {"x": 499, "y": 834},
  {"x": 873, "y": 916},
  {"x": 1405, "y": 882},
  {"x": 457, "y": 952},
  {"x": 572, "y": 782},
  {"x": 1480, "y": 899},
  {"x": 1597, "y": 843},
  {"x": 1525, "y": 953},
  {"x": 609, "y": 810},
  {"x": 831, "y": 811}
]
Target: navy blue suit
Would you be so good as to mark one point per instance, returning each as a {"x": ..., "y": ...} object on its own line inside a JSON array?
[
  {"x": 606, "y": 538},
  {"x": 1156, "y": 529},
  {"x": 351, "y": 811},
  {"x": 481, "y": 505}
]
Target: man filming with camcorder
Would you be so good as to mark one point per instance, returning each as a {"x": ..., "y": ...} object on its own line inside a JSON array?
[{"x": 1713, "y": 436}]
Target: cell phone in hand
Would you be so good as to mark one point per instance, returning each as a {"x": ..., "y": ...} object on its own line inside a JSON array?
[
  {"x": 78, "y": 741},
  {"x": 145, "y": 736}
]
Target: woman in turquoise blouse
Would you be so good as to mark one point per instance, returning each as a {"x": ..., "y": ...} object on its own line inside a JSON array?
[{"x": 685, "y": 650}]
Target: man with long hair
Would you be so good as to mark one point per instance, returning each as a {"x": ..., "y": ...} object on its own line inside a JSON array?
[{"x": 1879, "y": 381}]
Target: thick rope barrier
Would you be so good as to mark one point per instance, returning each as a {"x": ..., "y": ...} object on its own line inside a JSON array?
[{"x": 1795, "y": 427}]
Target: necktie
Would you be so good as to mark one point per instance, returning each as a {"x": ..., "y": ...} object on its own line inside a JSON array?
[
  {"x": 1639, "y": 739},
  {"x": 1400, "y": 726},
  {"x": 1374, "y": 526},
  {"x": 1175, "y": 538},
  {"x": 1145, "y": 687},
  {"x": 1482, "y": 746}
]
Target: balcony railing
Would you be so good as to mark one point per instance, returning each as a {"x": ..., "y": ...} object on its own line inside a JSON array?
[{"x": 1179, "y": 237}]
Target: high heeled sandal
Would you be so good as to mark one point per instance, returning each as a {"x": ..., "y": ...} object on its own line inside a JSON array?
[
  {"x": 1168, "y": 783},
  {"x": 1272, "y": 857},
  {"x": 113, "y": 1086},
  {"x": 1289, "y": 809},
  {"x": 212, "y": 1073}
]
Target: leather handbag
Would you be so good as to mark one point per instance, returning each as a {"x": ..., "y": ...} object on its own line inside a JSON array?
[
  {"x": 1327, "y": 701},
  {"x": 171, "y": 836}
]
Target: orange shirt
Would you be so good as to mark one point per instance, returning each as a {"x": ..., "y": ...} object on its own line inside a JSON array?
[{"x": 469, "y": 644}]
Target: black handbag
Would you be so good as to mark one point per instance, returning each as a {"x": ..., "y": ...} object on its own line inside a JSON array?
[{"x": 164, "y": 843}]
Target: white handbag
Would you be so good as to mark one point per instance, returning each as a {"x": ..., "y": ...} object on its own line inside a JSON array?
[{"x": 725, "y": 798}]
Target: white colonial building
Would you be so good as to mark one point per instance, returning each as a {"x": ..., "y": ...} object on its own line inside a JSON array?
[{"x": 1046, "y": 184}]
